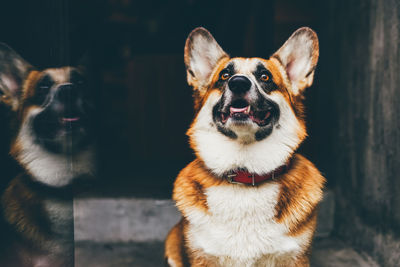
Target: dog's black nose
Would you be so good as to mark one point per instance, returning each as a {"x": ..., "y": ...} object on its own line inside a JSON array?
[
  {"x": 67, "y": 92},
  {"x": 239, "y": 84}
]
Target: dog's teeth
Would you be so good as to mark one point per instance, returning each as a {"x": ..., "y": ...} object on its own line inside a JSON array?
[{"x": 248, "y": 109}]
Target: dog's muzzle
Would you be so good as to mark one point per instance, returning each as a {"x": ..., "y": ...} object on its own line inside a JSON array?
[{"x": 242, "y": 102}]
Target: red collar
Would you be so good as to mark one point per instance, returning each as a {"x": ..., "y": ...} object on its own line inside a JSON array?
[{"x": 244, "y": 177}]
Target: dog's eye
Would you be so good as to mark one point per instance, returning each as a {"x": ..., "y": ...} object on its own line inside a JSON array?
[
  {"x": 264, "y": 77},
  {"x": 45, "y": 83},
  {"x": 42, "y": 89},
  {"x": 225, "y": 76},
  {"x": 41, "y": 94}
]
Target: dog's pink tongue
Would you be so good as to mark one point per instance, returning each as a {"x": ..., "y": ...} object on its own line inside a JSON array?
[
  {"x": 71, "y": 119},
  {"x": 238, "y": 110}
]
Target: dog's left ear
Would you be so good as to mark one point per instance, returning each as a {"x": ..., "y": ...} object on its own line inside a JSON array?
[
  {"x": 13, "y": 72},
  {"x": 299, "y": 56}
]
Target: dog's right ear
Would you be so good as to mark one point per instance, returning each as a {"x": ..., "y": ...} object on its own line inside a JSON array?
[
  {"x": 202, "y": 53},
  {"x": 13, "y": 71}
]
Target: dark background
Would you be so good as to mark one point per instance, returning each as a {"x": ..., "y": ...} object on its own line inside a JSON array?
[
  {"x": 145, "y": 106},
  {"x": 136, "y": 48}
]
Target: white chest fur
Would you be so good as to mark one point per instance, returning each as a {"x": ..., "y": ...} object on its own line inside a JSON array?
[{"x": 240, "y": 229}]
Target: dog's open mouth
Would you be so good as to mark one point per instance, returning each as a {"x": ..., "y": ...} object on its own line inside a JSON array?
[
  {"x": 50, "y": 123},
  {"x": 70, "y": 117},
  {"x": 73, "y": 119},
  {"x": 70, "y": 120},
  {"x": 241, "y": 110}
]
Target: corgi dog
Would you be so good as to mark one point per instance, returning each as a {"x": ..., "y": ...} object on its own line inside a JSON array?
[
  {"x": 248, "y": 199},
  {"x": 53, "y": 147}
]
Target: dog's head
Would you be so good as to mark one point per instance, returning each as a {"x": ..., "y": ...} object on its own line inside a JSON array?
[
  {"x": 51, "y": 108},
  {"x": 51, "y": 103},
  {"x": 248, "y": 107}
]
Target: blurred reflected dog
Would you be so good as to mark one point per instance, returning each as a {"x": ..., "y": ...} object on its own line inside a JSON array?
[
  {"x": 53, "y": 147},
  {"x": 248, "y": 199}
]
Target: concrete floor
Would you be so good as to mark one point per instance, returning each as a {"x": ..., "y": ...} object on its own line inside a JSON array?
[
  {"x": 327, "y": 252},
  {"x": 122, "y": 232}
]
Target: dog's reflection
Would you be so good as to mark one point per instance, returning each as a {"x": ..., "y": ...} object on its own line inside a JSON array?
[{"x": 53, "y": 146}]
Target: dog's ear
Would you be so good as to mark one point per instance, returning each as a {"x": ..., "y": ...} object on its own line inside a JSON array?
[
  {"x": 13, "y": 71},
  {"x": 299, "y": 56},
  {"x": 202, "y": 53}
]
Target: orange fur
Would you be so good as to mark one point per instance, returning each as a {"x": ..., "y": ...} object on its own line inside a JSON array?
[
  {"x": 23, "y": 209},
  {"x": 301, "y": 191},
  {"x": 190, "y": 185}
]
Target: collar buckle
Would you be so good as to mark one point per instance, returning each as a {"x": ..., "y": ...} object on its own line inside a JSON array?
[{"x": 230, "y": 177}]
